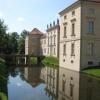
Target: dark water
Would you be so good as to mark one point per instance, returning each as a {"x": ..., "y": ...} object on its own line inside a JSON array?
[{"x": 46, "y": 83}]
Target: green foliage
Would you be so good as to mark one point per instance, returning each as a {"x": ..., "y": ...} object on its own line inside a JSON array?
[
  {"x": 94, "y": 72},
  {"x": 3, "y": 96},
  {"x": 33, "y": 60},
  {"x": 3, "y": 36},
  {"x": 21, "y": 42},
  {"x": 8, "y": 41},
  {"x": 11, "y": 43},
  {"x": 2, "y": 60},
  {"x": 51, "y": 61},
  {"x": 2, "y": 67}
]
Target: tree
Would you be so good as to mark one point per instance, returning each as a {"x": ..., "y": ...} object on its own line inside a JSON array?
[
  {"x": 21, "y": 47},
  {"x": 3, "y": 36},
  {"x": 14, "y": 42}
]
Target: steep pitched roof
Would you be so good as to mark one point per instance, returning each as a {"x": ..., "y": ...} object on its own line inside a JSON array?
[{"x": 35, "y": 31}]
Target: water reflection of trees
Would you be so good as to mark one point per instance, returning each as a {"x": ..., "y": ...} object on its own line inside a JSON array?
[
  {"x": 61, "y": 84},
  {"x": 15, "y": 71},
  {"x": 3, "y": 82}
]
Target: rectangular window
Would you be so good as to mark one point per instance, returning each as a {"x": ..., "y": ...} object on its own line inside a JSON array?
[
  {"x": 44, "y": 41},
  {"x": 73, "y": 13},
  {"x": 90, "y": 49},
  {"x": 65, "y": 31},
  {"x": 91, "y": 27},
  {"x": 63, "y": 85},
  {"x": 73, "y": 29},
  {"x": 90, "y": 62},
  {"x": 54, "y": 39},
  {"x": 71, "y": 90},
  {"x": 48, "y": 50},
  {"x": 65, "y": 17},
  {"x": 91, "y": 11},
  {"x": 72, "y": 49},
  {"x": 64, "y": 50},
  {"x": 54, "y": 51},
  {"x": 48, "y": 41}
]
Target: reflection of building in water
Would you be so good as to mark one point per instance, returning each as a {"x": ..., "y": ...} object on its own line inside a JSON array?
[
  {"x": 43, "y": 75},
  {"x": 75, "y": 86},
  {"x": 50, "y": 76},
  {"x": 68, "y": 85},
  {"x": 89, "y": 88},
  {"x": 32, "y": 75},
  {"x": 52, "y": 81}
]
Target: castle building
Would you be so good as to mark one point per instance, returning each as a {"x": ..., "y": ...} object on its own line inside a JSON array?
[
  {"x": 32, "y": 42},
  {"x": 74, "y": 38},
  {"x": 44, "y": 45},
  {"x": 80, "y": 35},
  {"x": 53, "y": 33}
]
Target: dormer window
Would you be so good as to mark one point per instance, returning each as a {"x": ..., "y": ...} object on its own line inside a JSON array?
[
  {"x": 91, "y": 11},
  {"x": 73, "y": 13},
  {"x": 65, "y": 17}
]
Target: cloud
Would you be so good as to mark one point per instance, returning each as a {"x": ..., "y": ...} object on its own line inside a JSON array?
[
  {"x": 1, "y": 14},
  {"x": 20, "y": 19},
  {"x": 18, "y": 84}
]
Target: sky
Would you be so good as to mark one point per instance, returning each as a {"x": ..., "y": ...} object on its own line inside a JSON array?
[{"x": 29, "y": 14}]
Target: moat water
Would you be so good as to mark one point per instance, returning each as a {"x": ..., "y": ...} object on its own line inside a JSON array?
[{"x": 47, "y": 83}]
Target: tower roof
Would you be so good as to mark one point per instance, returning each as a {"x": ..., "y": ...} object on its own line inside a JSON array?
[{"x": 35, "y": 31}]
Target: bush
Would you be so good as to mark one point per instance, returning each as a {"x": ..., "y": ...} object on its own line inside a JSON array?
[
  {"x": 3, "y": 96},
  {"x": 2, "y": 68},
  {"x": 51, "y": 61},
  {"x": 2, "y": 61},
  {"x": 33, "y": 60}
]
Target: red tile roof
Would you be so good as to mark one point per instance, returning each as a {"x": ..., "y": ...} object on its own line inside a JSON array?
[{"x": 35, "y": 31}]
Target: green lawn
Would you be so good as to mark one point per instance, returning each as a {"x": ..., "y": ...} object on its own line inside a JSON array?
[
  {"x": 3, "y": 96},
  {"x": 51, "y": 61},
  {"x": 94, "y": 72}
]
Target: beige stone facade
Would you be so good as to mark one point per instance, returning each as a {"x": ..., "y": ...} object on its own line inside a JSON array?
[
  {"x": 53, "y": 33},
  {"x": 44, "y": 45},
  {"x": 75, "y": 39},
  {"x": 79, "y": 35}
]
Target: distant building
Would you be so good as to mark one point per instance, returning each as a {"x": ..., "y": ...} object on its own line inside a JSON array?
[
  {"x": 53, "y": 33},
  {"x": 44, "y": 45},
  {"x": 80, "y": 35},
  {"x": 32, "y": 42}
]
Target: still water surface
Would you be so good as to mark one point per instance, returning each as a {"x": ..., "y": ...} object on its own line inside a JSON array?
[{"x": 46, "y": 83}]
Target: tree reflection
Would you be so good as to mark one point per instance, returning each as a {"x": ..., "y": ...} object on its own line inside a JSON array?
[{"x": 3, "y": 83}]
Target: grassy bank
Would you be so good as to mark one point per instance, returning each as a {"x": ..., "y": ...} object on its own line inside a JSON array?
[
  {"x": 51, "y": 61},
  {"x": 3, "y": 80},
  {"x": 2, "y": 67},
  {"x": 33, "y": 60},
  {"x": 3, "y": 96},
  {"x": 93, "y": 72}
]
